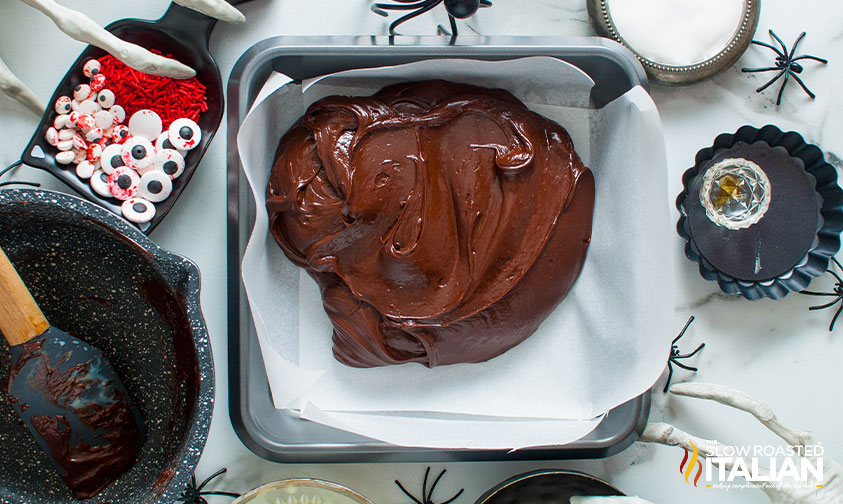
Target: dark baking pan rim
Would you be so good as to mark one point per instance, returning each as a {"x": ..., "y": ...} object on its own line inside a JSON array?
[{"x": 277, "y": 435}]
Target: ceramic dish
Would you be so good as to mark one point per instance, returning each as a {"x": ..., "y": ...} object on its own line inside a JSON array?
[
  {"x": 302, "y": 491},
  {"x": 686, "y": 60},
  {"x": 98, "y": 277}
]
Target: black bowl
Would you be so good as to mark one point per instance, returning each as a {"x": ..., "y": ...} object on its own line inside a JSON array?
[{"x": 99, "y": 278}]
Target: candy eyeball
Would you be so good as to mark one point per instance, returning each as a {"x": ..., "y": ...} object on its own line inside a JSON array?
[
  {"x": 111, "y": 158},
  {"x": 52, "y": 136},
  {"x": 118, "y": 113},
  {"x": 145, "y": 123},
  {"x": 119, "y": 133},
  {"x": 138, "y": 152},
  {"x": 99, "y": 183},
  {"x": 103, "y": 119},
  {"x": 81, "y": 92},
  {"x": 184, "y": 134},
  {"x": 105, "y": 98},
  {"x": 123, "y": 183},
  {"x": 97, "y": 82},
  {"x": 79, "y": 155},
  {"x": 89, "y": 107},
  {"x": 170, "y": 162},
  {"x": 63, "y": 105},
  {"x": 138, "y": 210},
  {"x": 60, "y": 121},
  {"x": 94, "y": 152},
  {"x": 67, "y": 133},
  {"x": 92, "y": 67},
  {"x": 163, "y": 142},
  {"x": 85, "y": 170},
  {"x": 155, "y": 186},
  {"x": 79, "y": 142},
  {"x": 64, "y": 145},
  {"x": 85, "y": 122},
  {"x": 65, "y": 157}
]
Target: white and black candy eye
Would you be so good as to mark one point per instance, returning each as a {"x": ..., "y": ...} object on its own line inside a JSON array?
[
  {"x": 99, "y": 183},
  {"x": 155, "y": 186},
  {"x": 184, "y": 134},
  {"x": 105, "y": 98},
  {"x": 169, "y": 162},
  {"x": 112, "y": 158},
  {"x": 138, "y": 152},
  {"x": 138, "y": 210},
  {"x": 63, "y": 105},
  {"x": 123, "y": 183},
  {"x": 163, "y": 142},
  {"x": 91, "y": 68}
]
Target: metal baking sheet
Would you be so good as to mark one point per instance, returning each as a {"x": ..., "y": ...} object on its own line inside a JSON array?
[{"x": 280, "y": 436}]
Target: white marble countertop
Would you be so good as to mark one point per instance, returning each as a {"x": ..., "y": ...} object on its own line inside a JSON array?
[{"x": 777, "y": 351}]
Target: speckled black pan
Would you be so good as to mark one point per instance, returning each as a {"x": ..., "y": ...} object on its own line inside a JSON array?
[
  {"x": 827, "y": 243},
  {"x": 101, "y": 279}
]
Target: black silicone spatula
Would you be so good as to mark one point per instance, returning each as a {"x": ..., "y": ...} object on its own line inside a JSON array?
[{"x": 67, "y": 394}]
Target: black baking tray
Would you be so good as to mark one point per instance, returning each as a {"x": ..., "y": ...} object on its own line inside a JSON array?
[{"x": 280, "y": 436}]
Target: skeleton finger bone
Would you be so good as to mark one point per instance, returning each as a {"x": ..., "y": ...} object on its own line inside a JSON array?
[
  {"x": 84, "y": 29},
  {"x": 218, "y": 9},
  {"x": 17, "y": 90}
]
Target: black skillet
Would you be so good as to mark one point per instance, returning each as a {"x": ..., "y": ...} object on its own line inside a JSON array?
[{"x": 182, "y": 32}]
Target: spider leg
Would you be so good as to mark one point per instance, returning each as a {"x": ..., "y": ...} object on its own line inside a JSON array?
[
  {"x": 799, "y": 81},
  {"x": 669, "y": 375},
  {"x": 766, "y": 69},
  {"x": 823, "y": 307},
  {"x": 793, "y": 49},
  {"x": 781, "y": 89},
  {"x": 683, "y": 366},
  {"x": 774, "y": 48},
  {"x": 808, "y": 56},
  {"x": 429, "y": 496},
  {"x": 485, "y": 3},
  {"x": 695, "y": 352},
  {"x": 834, "y": 319},
  {"x": 402, "y": 6},
  {"x": 838, "y": 265},
  {"x": 224, "y": 494},
  {"x": 452, "y": 499},
  {"x": 209, "y": 478},
  {"x": 812, "y": 293},
  {"x": 430, "y": 5},
  {"x": 783, "y": 54},
  {"x": 774, "y": 79},
  {"x": 682, "y": 332},
  {"x": 408, "y": 494}
]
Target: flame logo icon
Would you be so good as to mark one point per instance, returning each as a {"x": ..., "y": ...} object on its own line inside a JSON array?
[{"x": 690, "y": 467}]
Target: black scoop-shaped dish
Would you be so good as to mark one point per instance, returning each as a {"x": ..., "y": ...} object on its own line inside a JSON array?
[{"x": 182, "y": 32}]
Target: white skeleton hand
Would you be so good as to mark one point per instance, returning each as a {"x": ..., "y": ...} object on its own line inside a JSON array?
[
  {"x": 83, "y": 29},
  {"x": 827, "y": 491}
]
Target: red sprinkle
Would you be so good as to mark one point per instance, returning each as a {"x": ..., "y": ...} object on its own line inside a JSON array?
[{"x": 170, "y": 98}]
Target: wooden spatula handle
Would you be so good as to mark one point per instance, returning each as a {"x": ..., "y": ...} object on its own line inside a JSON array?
[{"x": 20, "y": 318}]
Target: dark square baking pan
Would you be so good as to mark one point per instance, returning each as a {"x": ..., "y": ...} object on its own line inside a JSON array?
[{"x": 281, "y": 436}]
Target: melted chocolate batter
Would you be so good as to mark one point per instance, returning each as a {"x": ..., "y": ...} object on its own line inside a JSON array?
[
  {"x": 443, "y": 222},
  {"x": 86, "y": 468}
]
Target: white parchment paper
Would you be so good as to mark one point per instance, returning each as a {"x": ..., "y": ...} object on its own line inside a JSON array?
[{"x": 605, "y": 344}]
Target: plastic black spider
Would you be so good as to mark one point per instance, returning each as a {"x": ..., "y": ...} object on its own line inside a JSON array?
[
  {"x": 675, "y": 355},
  {"x": 786, "y": 64},
  {"x": 456, "y": 9},
  {"x": 427, "y": 496},
  {"x": 838, "y": 295},
  {"x": 193, "y": 493}
]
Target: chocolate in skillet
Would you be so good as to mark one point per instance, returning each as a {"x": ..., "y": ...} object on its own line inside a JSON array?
[{"x": 443, "y": 222}]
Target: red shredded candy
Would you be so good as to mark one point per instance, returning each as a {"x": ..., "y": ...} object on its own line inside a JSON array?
[{"x": 169, "y": 98}]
